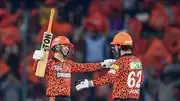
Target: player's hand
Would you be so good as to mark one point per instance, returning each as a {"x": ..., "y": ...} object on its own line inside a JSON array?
[
  {"x": 82, "y": 84},
  {"x": 107, "y": 63},
  {"x": 38, "y": 55}
]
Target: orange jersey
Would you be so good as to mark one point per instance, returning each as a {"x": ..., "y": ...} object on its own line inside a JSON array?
[
  {"x": 126, "y": 77},
  {"x": 58, "y": 75}
]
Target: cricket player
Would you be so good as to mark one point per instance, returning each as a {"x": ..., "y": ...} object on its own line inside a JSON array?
[
  {"x": 126, "y": 73},
  {"x": 59, "y": 68}
]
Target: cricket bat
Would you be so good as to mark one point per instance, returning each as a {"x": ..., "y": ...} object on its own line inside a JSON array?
[{"x": 45, "y": 47}]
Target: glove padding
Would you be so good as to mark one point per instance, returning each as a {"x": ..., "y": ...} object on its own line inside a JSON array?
[
  {"x": 107, "y": 63},
  {"x": 38, "y": 55},
  {"x": 82, "y": 84}
]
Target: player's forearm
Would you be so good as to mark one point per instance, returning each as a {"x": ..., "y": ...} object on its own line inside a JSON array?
[
  {"x": 107, "y": 79},
  {"x": 97, "y": 83},
  {"x": 86, "y": 67},
  {"x": 104, "y": 80}
]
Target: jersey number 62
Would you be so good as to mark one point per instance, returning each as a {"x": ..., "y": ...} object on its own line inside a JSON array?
[{"x": 131, "y": 81}]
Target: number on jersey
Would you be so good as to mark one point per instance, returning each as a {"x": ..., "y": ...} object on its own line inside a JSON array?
[{"x": 131, "y": 79}]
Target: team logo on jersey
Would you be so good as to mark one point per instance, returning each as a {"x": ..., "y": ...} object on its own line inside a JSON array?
[
  {"x": 115, "y": 66},
  {"x": 57, "y": 67},
  {"x": 135, "y": 65}
]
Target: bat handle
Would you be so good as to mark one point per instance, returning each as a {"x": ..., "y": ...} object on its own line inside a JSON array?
[{"x": 51, "y": 20}]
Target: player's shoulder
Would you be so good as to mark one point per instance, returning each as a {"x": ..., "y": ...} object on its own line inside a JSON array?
[
  {"x": 135, "y": 63},
  {"x": 53, "y": 59},
  {"x": 127, "y": 59},
  {"x": 56, "y": 60},
  {"x": 68, "y": 61},
  {"x": 135, "y": 58},
  {"x": 118, "y": 64}
]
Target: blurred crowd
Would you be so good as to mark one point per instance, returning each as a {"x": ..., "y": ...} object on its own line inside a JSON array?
[{"x": 90, "y": 25}]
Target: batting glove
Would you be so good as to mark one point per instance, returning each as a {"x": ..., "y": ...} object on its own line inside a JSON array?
[
  {"x": 38, "y": 55},
  {"x": 107, "y": 63},
  {"x": 82, "y": 84}
]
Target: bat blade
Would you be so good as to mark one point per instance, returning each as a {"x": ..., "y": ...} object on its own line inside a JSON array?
[
  {"x": 41, "y": 67},
  {"x": 45, "y": 47}
]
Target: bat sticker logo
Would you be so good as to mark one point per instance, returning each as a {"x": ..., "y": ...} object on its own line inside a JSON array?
[{"x": 46, "y": 42}]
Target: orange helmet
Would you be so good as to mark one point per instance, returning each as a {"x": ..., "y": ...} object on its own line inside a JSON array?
[
  {"x": 61, "y": 40},
  {"x": 122, "y": 38}
]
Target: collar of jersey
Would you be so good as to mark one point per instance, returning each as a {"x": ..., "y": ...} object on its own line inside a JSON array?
[
  {"x": 55, "y": 59},
  {"x": 129, "y": 54}
]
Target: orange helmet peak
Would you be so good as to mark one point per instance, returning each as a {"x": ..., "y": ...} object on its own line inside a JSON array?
[
  {"x": 122, "y": 38},
  {"x": 61, "y": 40}
]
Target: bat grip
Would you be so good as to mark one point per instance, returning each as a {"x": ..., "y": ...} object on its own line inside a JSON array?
[{"x": 51, "y": 20}]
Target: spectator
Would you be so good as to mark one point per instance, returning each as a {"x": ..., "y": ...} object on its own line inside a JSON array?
[
  {"x": 171, "y": 39},
  {"x": 11, "y": 87}
]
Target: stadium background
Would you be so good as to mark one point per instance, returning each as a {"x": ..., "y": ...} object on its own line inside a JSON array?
[{"x": 90, "y": 25}]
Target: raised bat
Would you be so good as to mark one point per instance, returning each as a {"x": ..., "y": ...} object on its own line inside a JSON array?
[{"x": 45, "y": 47}]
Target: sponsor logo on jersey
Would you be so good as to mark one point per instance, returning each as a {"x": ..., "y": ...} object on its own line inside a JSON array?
[
  {"x": 135, "y": 65},
  {"x": 57, "y": 67},
  {"x": 135, "y": 91},
  {"x": 64, "y": 75}
]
